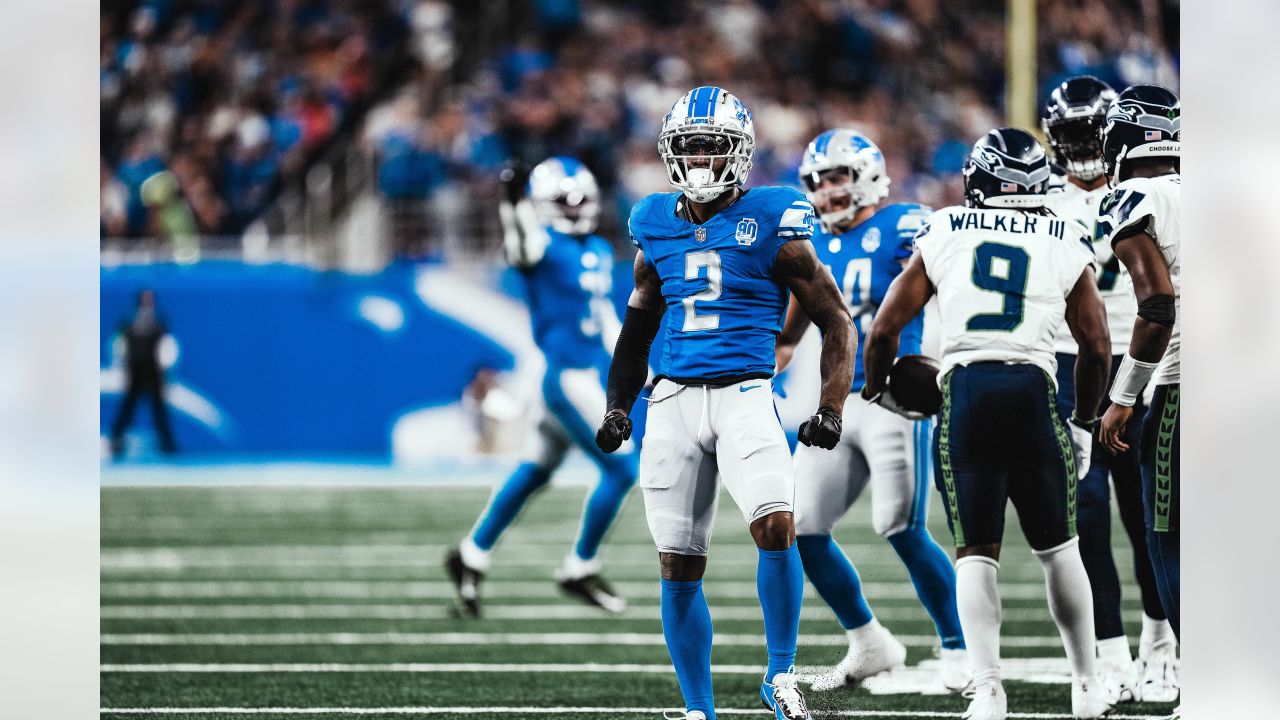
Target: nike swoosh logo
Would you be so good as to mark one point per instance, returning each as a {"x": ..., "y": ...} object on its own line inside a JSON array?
[{"x": 744, "y": 388}]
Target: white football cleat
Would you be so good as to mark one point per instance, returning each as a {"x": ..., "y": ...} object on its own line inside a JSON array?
[
  {"x": 988, "y": 702},
  {"x": 1158, "y": 678},
  {"x": 1118, "y": 680},
  {"x": 955, "y": 670},
  {"x": 1090, "y": 699},
  {"x": 683, "y": 715},
  {"x": 783, "y": 697},
  {"x": 878, "y": 651}
]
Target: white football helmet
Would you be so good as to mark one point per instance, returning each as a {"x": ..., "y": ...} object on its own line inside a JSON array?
[
  {"x": 707, "y": 127},
  {"x": 565, "y": 195},
  {"x": 859, "y": 158}
]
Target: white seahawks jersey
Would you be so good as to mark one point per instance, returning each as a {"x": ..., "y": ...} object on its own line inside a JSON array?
[
  {"x": 1155, "y": 202},
  {"x": 1002, "y": 278},
  {"x": 1114, "y": 285}
]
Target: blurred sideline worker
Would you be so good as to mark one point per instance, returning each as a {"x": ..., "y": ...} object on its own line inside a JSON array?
[
  {"x": 568, "y": 276},
  {"x": 1073, "y": 120},
  {"x": 1006, "y": 272},
  {"x": 1142, "y": 146},
  {"x": 720, "y": 261},
  {"x": 866, "y": 246},
  {"x": 144, "y": 374}
]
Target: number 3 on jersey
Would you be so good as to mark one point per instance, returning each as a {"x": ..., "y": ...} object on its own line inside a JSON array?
[
  {"x": 693, "y": 264},
  {"x": 1002, "y": 269}
]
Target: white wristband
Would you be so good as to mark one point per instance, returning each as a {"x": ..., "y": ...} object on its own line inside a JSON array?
[{"x": 1130, "y": 380}]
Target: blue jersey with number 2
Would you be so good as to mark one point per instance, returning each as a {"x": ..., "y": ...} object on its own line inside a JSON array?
[
  {"x": 864, "y": 262},
  {"x": 724, "y": 306}
]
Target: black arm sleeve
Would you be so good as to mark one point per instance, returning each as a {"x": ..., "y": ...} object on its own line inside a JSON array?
[{"x": 630, "y": 365}]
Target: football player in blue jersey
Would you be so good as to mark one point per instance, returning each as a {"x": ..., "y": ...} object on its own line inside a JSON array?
[
  {"x": 720, "y": 262},
  {"x": 865, "y": 246},
  {"x": 568, "y": 276}
]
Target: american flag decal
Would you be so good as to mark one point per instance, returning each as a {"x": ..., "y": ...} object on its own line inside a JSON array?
[
  {"x": 1008, "y": 187},
  {"x": 1151, "y": 135}
]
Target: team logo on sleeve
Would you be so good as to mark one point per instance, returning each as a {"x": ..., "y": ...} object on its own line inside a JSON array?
[{"x": 747, "y": 229}]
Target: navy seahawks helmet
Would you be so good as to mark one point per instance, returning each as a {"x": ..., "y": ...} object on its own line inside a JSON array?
[
  {"x": 1145, "y": 121},
  {"x": 1007, "y": 168},
  {"x": 1073, "y": 120}
]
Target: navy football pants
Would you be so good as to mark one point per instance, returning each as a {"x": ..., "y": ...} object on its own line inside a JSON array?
[
  {"x": 1094, "y": 513},
  {"x": 1160, "y": 493},
  {"x": 1001, "y": 439}
]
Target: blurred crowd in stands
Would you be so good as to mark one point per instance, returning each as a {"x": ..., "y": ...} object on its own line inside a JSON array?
[
  {"x": 218, "y": 101},
  {"x": 228, "y": 102}
]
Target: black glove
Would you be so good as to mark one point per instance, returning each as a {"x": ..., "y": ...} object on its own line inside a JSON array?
[
  {"x": 614, "y": 430},
  {"x": 513, "y": 177},
  {"x": 822, "y": 429}
]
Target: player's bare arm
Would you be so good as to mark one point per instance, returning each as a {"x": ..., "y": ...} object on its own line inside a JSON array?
[
  {"x": 819, "y": 298},
  {"x": 906, "y": 297},
  {"x": 1153, "y": 327},
  {"x": 1087, "y": 319},
  {"x": 793, "y": 330},
  {"x": 630, "y": 366}
]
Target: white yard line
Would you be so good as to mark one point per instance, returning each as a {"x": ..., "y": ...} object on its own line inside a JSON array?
[
  {"x": 658, "y": 669},
  {"x": 518, "y": 711},
  {"x": 513, "y": 549},
  {"x": 517, "y": 639},
  {"x": 494, "y": 588},
  {"x": 575, "y": 612}
]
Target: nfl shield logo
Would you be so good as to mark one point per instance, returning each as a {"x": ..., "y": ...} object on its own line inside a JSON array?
[
  {"x": 700, "y": 234},
  {"x": 746, "y": 233},
  {"x": 1008, "y": 187},
  {"x": 1151, "y": 135}
]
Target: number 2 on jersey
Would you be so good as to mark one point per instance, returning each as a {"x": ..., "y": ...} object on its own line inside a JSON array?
[
  {"x": 693, "y": 264},
  {"x": 1002, "y": 269}
]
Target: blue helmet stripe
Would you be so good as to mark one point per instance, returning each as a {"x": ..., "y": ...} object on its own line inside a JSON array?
[
  {"x": 569, "y": 164},
  {"x": 823, "y": 141},
  {"x": 693, "y": 102},
  {"x": 701, "y": 101}
]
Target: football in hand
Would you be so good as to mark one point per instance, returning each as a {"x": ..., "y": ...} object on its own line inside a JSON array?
[{"x": 914, "y": 383}]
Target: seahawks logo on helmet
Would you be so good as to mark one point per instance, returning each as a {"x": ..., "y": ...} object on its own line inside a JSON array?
[
  {"x": 1007, "y": 168},
  {"x": 1145, "y": 121}
]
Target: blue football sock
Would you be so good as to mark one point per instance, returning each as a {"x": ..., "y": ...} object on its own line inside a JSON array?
[
  {"x": 507, "y": 502},
  {"x": 686, "y": 624},
  {"x": 780, "y": 583},
  {"x": 935, "y": 581},
  {"x": 835, "y": 578},
  {"x": 602, "y": 507},
  {"x": 1166, "y": 557}
]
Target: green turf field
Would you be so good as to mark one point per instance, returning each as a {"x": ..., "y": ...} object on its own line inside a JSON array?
[{"x": 285, "y": 602}]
